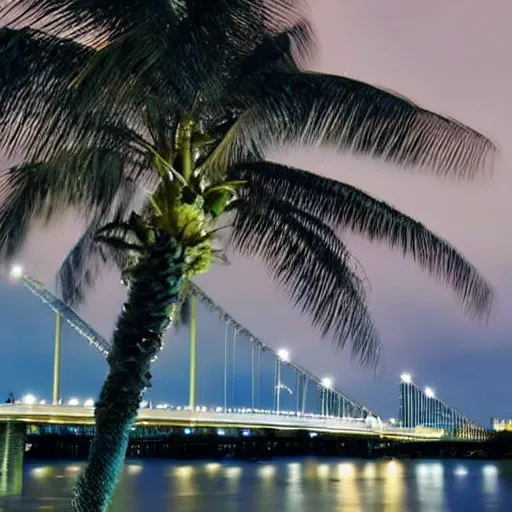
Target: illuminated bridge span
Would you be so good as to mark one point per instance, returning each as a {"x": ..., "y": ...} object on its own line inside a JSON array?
[
  {"x": 293, "y": 387},
  {"x": 420, "y": 407},
  {"x": 261, "y": 387},
  {"x": 242, "y": 419}
]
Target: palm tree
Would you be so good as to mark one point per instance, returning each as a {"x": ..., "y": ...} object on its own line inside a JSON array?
[{"x": 152, "y": 121}]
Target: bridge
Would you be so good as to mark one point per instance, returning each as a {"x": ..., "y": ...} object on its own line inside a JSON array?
[
  {"x": 243, "y": 419},
  {"x": 421, "y": 406},
  {"x": 309, "y": 403}
]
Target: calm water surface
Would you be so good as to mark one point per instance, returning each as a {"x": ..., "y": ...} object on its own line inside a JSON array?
[{"x": 302, "y": 485}]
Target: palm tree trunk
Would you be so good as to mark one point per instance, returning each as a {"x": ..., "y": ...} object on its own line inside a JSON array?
[{"x": 154, "y": 288}]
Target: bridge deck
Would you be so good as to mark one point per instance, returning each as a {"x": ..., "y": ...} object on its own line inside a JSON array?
[{"x": 63, "y": 414}]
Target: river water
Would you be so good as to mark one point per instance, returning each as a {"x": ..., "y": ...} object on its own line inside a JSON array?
[{"x": 290, "y": 485}]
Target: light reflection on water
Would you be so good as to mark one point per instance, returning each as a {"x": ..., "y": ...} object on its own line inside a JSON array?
[{"x": 299, "y": 485}]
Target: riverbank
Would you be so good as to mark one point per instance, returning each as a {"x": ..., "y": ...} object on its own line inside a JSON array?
[
  {"x": 261, "y": 449},
  {"x": 497, "y": 447}
]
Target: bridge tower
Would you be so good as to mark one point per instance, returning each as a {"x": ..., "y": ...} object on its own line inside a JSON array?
[{"x": 420, "y": 407}]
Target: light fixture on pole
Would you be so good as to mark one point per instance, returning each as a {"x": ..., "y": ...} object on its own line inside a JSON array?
[
  {"x": 29, "y": 399},
  {"x": 407, "y": 404},
  {"x": 193, "y": 351},
  {"x": 430, "y": 395},
  {"x": 326, "y": 383},
  {"x": 406, "y": 378},
  {"x": 283, "y": 356},
  {"x": 17, "y": 273}
]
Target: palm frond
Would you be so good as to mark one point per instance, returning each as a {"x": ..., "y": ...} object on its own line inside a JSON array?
[
  {"x": 346, "y": 207},
  {"x": 134, "y": 66},
  {"x": 89, "y": 259},
  {"x": 89, "y": 182},
  {"x": 314, "y": 109},
  {"x": 311, "y": 264},
  {"x": 43, "y": 112},
  {"x": 96, "y": 19},
  {"x": 196, "y": 58},
  {"x": 82, "y": 267},
  {"x": 207, "y": 48},
  {"x": 184, "y": 312},
  {"x": 35, "y": 73},
  {"x": 254, "y": 15},
  {"x": 54, "y": 90},
  {"x": 216, "y": 37},
  {"x": 288, "y": 50}
]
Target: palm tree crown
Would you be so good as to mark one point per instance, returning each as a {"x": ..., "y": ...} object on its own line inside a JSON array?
[{"x": 157, "y": 116}]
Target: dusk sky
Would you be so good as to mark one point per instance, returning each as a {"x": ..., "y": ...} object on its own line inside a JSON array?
[{"x": 451, "y": 56}]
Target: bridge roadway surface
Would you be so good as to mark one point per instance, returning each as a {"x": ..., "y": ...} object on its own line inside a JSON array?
[{"x": 71, "y": 415}]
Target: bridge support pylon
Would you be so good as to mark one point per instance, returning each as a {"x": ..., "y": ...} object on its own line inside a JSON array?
[
  {"x": 56, "y": 360},
  {"x": 193, "y": 352},
  {"x": 12, "y": 451}
]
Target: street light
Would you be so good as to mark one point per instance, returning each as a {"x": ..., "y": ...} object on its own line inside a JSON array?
[
  {"x": 73, "y": 402},
  {"x": 89, "y": 403},
  {"x": 406, "y": 378},
  {"x": 283, "y": 356},
  {"x": 16, "y": 272},
  {"x": 429, "y": 393},
  {"x": 29, "y": 399},
  {"x": 192, "y": 301},
  {"x": 326, "y": 383},
  {"x": 407, "y": 395}
]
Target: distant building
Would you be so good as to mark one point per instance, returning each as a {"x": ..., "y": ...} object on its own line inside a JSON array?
[{"x": 501, "y": 424}]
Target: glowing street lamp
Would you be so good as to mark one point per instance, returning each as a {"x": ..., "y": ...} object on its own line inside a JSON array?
[
  {"x": 406, "y": 378},
  {"x": 430, "y": 406},
  {"x": 16, "y": 272},
  {"x": 429, "y": 392},
  {"x": 283, "y": 356},
  {"x": 407, "y": 397},
  {"x": 29, "y": 399},
  {"x": 326, "y": 383},
  {"x": 73, "y": 402},
  {"x": 89, "y": 403}
]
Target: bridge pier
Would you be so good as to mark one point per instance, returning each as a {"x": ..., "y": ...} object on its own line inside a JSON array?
[{"x": 12, "y": 450}]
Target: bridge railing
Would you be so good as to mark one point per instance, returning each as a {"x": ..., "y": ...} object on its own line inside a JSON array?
[{"x": 248, "y": 419}]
